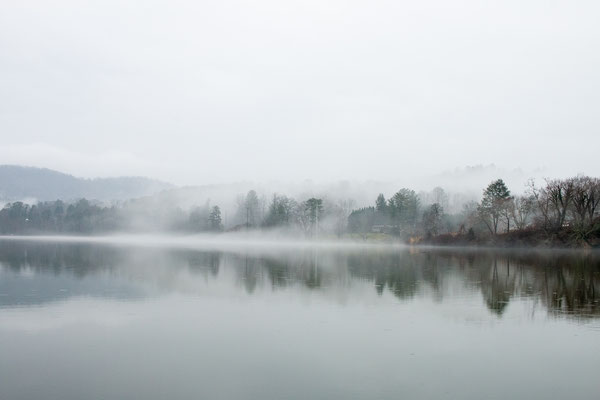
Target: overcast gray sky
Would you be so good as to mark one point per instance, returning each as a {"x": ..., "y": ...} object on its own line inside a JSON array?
[{"x": 216, "y": 91}]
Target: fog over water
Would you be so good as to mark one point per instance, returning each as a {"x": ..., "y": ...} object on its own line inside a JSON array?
[{"x": 244, "y": 241}]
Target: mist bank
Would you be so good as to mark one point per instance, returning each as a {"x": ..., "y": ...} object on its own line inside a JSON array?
[
  {"x": 247, "y": 242},
  {"x": 557, "y": 212}
]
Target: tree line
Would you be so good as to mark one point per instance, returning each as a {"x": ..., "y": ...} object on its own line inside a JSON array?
[
  {"x": 85, "y": 217},
  {"x": 555, "y": 206}
]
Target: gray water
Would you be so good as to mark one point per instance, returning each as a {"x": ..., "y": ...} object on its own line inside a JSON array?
[{"x": 99, "y": 321}]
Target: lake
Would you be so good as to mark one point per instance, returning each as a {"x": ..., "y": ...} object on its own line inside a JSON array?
[{"x": 117, "y": 321}]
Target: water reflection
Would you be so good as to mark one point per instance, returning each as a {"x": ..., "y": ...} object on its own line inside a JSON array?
[{"x": 565, "y": 283}]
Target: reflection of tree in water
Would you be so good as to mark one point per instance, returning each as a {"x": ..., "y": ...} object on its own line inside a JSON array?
[
  {"x": 251, "y": 272},
  {"x": 497, "y": 285},
  {"x": 47, "y": 272},
  {"x": 77, "y": 259},
  {"x": 277, "y": 271},
  {"x": 564, "y": 283},
  {"x": 399, "y": 272},
  {"x": 571, "y": 290},
  {"x": 402, "y": 273},
  {"x": 311, "y": 270},
  {"x": 281, "y": 271},
  {"x": 205, "y": 263}
]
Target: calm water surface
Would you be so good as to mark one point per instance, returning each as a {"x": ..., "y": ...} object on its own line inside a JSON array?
[{"x": 97, "y": 321}]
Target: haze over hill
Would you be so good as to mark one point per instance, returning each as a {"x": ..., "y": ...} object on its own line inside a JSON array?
[
  {"x": 18, "y": 183},
  {"x": 40, "y": 184}
]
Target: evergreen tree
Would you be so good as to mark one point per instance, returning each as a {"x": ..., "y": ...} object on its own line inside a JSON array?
[
  {"x": 404, "y": 208},
  {"x": 493, "y": 206},
  {"x": 214, "y": 220},
  {"x": 380, "y": 204},
  {"x": 314, "y": 209}
]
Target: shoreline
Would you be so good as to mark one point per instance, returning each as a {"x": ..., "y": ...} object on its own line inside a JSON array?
[{"x": 257, "y": 242}]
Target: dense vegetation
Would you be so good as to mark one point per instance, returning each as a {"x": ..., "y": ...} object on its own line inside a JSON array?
[{"x": 566, "y": 210}]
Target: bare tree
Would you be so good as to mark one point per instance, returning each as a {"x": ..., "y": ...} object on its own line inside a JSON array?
[
  {"x": 432, "y": 219},
  {"x": 521, "y": 209},
  {"x": 553, "y": 202},
  {"x": 341, "y": 211},
  {"x": 541, "y": 205},
  {"x": 469, "y": 216},
  {"x": 560, "y": 195},
  {"x": 585, "y": 201}
]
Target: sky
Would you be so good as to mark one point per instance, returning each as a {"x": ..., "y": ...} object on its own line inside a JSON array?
[{"x": 197, "y": 92}]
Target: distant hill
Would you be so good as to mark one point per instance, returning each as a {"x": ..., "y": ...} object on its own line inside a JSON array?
[{"x": 28, "y": 183}]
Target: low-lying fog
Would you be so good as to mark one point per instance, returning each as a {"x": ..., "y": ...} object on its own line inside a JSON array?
[{"x": 253, "y": 241}]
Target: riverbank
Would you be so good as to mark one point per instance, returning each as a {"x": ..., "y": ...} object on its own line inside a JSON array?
[{"x": 526, "y": 238}]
